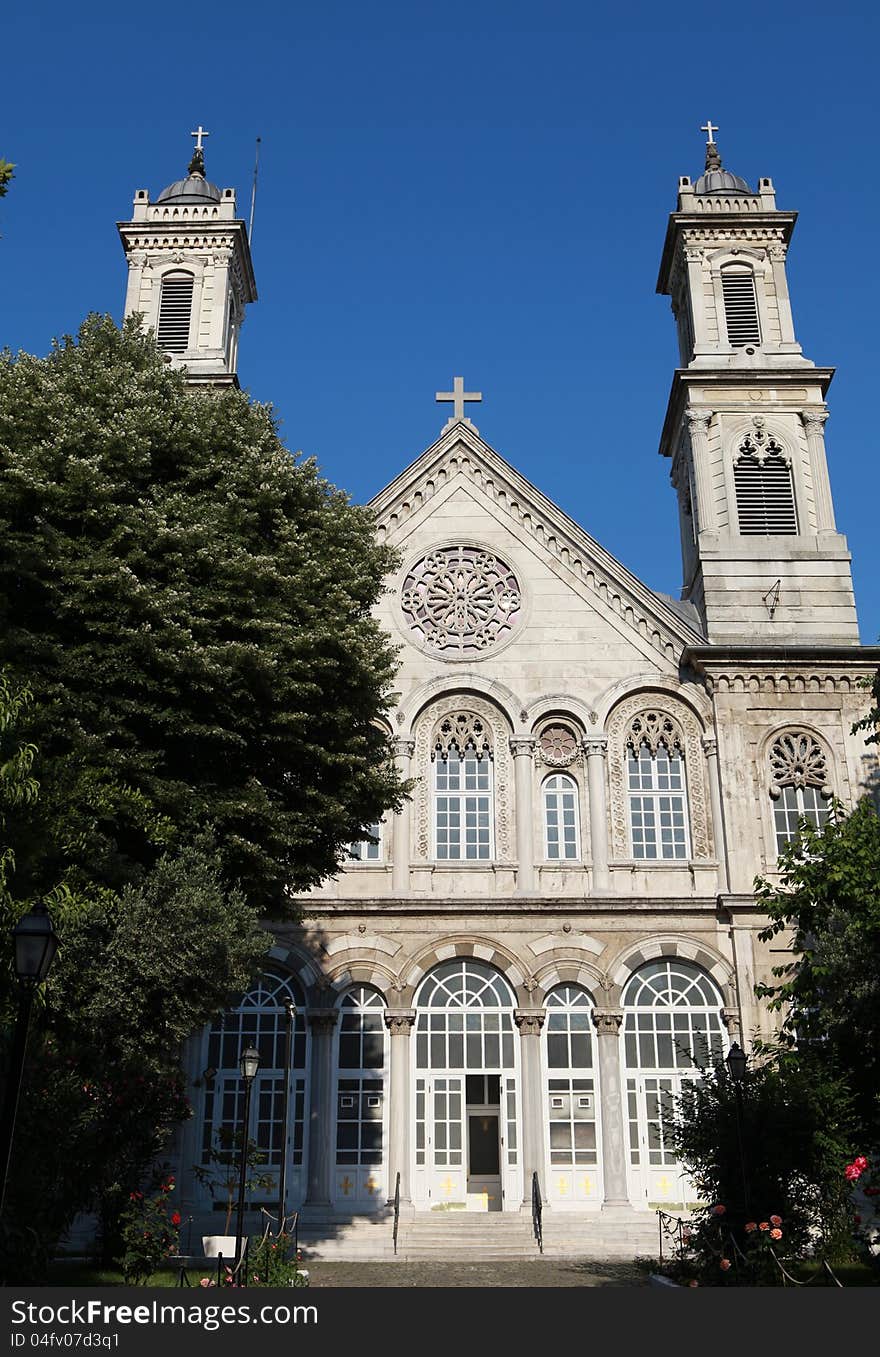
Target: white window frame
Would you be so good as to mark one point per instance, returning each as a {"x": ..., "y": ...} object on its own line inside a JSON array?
[
  {"x": 364, "y": 851},
  {"x": 483, "y": 759},
  {"x": 655, "y": 795},
  {"x": 569, "y": 786}
]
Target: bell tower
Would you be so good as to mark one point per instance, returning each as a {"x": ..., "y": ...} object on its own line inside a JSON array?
[
  {"x": 745, "y": 425},
  {"x": 190, "y": 272}
]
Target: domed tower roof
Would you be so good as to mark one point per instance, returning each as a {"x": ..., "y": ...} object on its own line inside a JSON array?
[
  {"x": 195, "y": 188},
  {"x": 716, "y": 179}
]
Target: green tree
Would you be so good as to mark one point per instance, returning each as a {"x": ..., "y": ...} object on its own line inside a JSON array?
[
  {"x": 827, "y": 899},
  {"x": 190, "y": 605},
  {"x": 7, "y": 173}
]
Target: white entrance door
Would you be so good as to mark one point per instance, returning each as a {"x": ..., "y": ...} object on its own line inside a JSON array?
[
  {"x": 445, "y": 1158},
  {"x": 659, "y": 1177},
  {"x": 484, "y": 1142}
]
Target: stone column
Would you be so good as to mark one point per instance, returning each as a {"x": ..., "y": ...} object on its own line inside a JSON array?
[
  {"x": 697, "y": 288},
  {"x": 614, "y": 1143},
  {"x": 400, "y": 1024},
  {"x": 698, "y": 427},
  {"x": 814, "y": 425},
  {"x": 522, "y": 749},
  {"x": 710, "y": 749},
  {"x": 323, "y": 1024},
  {"x": 400, "y": 832},
  {"x": 596, "y": 750},
  {"x": 532, "y": 1156}
]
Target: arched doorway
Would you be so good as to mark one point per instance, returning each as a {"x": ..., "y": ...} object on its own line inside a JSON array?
[
  {"x": 361, "y": 1081},
  {"x": 466, "y": 1107},
  {"x": 673, "y": 1030},
  {"x": 571, "y": 1106},
  {"x": 259, "y": 1020}
]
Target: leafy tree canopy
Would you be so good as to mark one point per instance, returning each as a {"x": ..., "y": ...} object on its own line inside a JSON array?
[
  {"x": 190, "y": 606},
  {"x": 7, "y": 172},
  {"x": 828, "y": 899}
]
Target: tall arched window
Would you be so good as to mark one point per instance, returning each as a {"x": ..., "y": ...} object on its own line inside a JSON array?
[
  {"x": 463, "y": 790},
  {"x": 658, "y": 812},
  {"x": 561, "y": 830},
  {"x": 259, "y": 1020},
  {"x": 175, "y": 312},
  {"x": 740, "y": 305},
  {"x": 673, "y": 1030},
  {"x": 360, "y": 1097},
  {"x": 764, "y": 487},
  {"x": 799, "y": 785},
  {"x": 571, "y": 1095}
]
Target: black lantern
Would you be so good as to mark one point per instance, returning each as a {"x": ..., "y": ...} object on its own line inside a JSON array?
[
  {"x": 736, "y": 1062},
  {"x": 249, "y": 1063},
  {"x": 35, "y": 942}
]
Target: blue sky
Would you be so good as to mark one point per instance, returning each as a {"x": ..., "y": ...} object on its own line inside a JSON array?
[{"x": 477, "y": 188}]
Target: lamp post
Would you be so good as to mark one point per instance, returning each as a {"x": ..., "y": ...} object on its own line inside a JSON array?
[
  {"x": 248, "y": 1064},
  {"x": 35, "y": 943},
  {"x": 290, "y": 1010},
  {"x": 737, "y": 1063}
]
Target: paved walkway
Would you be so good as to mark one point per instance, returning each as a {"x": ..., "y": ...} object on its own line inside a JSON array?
[{"x": 524, "y": 1272}]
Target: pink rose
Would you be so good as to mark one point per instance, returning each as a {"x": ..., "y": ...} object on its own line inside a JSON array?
[
  {"x": 725, "y": 1264},
  {"x": 750, "y": 1227},
  {"x": 775, "y": 1234},
  {"x": 860, "y": 1162},
  {"x": 776, "y": 1220},
  {"x": 718, "y": 1210},
  {"x": 852, "y": 1172},
  {"x": 764, "y": 1225}
]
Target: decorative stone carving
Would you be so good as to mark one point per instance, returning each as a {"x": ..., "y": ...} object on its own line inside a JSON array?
[
  {"x": 596, "y": 744},
  {"x": 607, "y": 1021},
  {"x": 322, "y": 1020},
  {"x": 459, "y": 731},
  {"x": 814, "y": 419},
  {"x": 521, "y": 746},
  {"x": 460, "y": 601},
  {"x": 494, "y": 738},
  {"x": 529, "y": 1021},
  {"x": 557, "y": 746},
  {"x": 798, "y": 760},
  {"x": 654, "y": 728},
  {"x": 403, "y": 746},
  {"x": 652, "y": 715},
  {"x": 400, "y": 1024}
]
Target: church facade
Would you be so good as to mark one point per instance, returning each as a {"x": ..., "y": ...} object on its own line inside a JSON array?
[{"x": 515, "y": 975}]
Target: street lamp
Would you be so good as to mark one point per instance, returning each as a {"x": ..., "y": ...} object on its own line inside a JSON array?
[
  {"x": 737, "y": 1063},
  {"x": 35, "y": 943},
  {"x": 290, "y": 1010},
  {"x": 248, "y": 1064}
]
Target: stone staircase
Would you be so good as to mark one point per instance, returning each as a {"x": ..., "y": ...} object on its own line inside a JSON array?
[{"x": 460, "y": 1236}]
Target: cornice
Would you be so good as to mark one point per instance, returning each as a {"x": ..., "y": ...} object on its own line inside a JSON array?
[
  {"x": 715, "y": 223},
  {"x": 461, "y": 451},
  {"x": 683, "y": 379},
  {"x": 792, "y": 669}
]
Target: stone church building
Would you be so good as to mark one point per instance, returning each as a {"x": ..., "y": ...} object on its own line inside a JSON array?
[{"x": 517, "y": 973}]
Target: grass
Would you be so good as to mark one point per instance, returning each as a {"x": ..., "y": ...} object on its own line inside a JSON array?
[{"x": 63, "y": 1273}]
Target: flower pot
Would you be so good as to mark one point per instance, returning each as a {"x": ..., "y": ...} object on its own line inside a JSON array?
[{"x": 214, "y": 1244}]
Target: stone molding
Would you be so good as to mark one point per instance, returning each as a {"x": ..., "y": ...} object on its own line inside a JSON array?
[
  {"x": 521, "y": 745},
  {"x": 595, "y": 744},
  {"x": 814, "y": 418},
  {"x": 400, "y": 1021},
  {"x": 403, "y": 746},
  {"x": 607, "y": 1021}
]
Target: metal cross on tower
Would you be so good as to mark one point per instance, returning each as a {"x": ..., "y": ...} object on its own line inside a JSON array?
[
  {"x": 458, "y": 396},
  {"x": 709, "y": 129},
  {"x": 198, "y": 134}
]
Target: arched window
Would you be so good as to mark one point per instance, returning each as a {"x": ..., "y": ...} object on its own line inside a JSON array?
[
  {"x": 259, "y": 1020},
  {"x": 571, "y": 1093},
  {"x": 360, "y": 1096},
  {"x": 561, "y": 837},
  {"x": 673, "y": 1030},
  {"x": 764, "y": 487},
  {"x": 740, "y": 305},
  {"x": 799, "y": 784},
  {"x": 463, "y": 791},
  {"x": 175, "y": 312},
  {"x": 658, "y": 813}
]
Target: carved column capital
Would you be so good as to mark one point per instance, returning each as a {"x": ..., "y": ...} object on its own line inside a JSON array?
[
  {"x": 699, "y": 420},
  {"x": 400, "y": 1021},
  {"x": 529, "y": 1021},
  {"x": 322, "y": 1020},
  {"x": 607, "y": 1021},
  {"x": 710, "y": 746},
  {"x": 522, "y": 745},
  {"x": 730, "y": 1018},
  {"x": 403, "y": 746},
  {"x": 813, "y": 420},
  {"x": 593, "y": 745}
]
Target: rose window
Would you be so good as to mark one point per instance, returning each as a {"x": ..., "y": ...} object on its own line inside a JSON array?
[
  {"x": 558, "y": 746},
  {"x": 461, "y": 600}
]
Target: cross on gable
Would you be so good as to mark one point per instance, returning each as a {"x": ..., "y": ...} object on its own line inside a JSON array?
[
  {"x": 198, "y": 134},
  {"x": 709, "y": 129},
  {"x": 458, "y": 396}
]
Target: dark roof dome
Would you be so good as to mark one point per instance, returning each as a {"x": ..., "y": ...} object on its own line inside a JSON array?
[
  {"x": 716, "y": 178},
  {"x": 194, "y": 188}
]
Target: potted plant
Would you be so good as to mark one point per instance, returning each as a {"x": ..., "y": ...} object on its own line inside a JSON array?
[{"x": 222, "y": 1175}]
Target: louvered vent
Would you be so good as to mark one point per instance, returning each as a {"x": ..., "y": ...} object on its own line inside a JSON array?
[
  {"x": 765, "y": 495},
  {"x": 740, "y": 307},
  {"x": 175, "y": 309}
]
